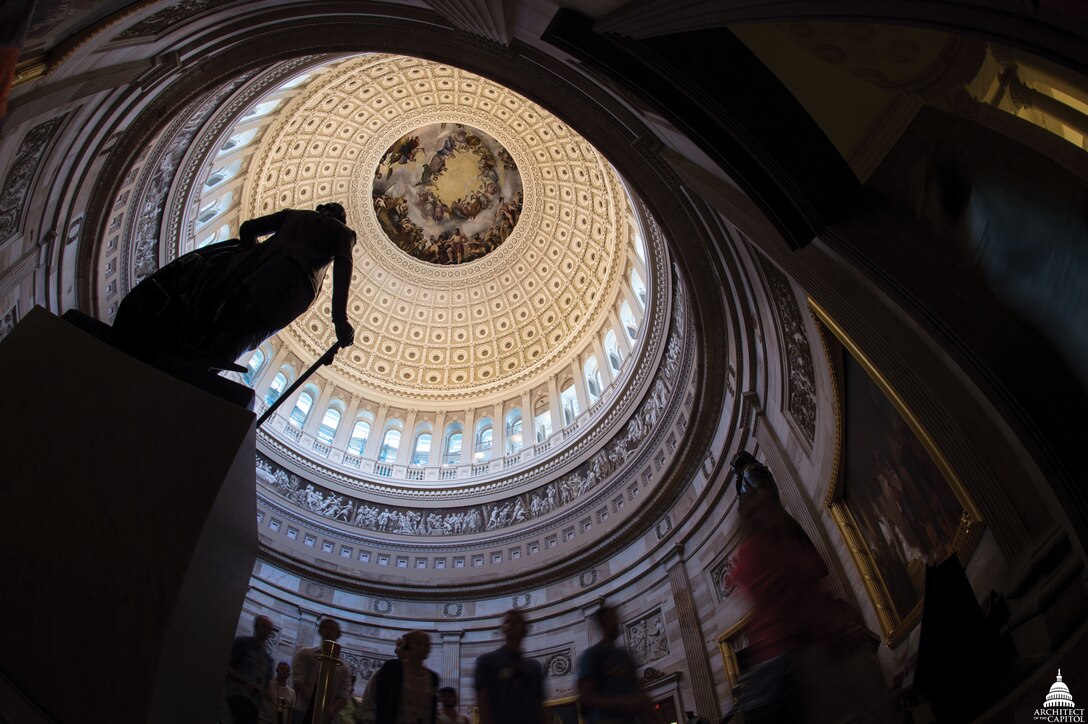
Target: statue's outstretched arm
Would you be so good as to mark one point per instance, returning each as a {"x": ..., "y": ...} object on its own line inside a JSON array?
[
  {"x": 261, "y": 226},
  {"x": 342, "y": 268}
]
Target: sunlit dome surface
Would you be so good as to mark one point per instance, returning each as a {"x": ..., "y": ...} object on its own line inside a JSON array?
[{"x": 447, "y": 331}]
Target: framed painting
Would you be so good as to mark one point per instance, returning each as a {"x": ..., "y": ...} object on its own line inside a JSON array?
[
  {"x": 897, "y": 501},
  {"x": 562, "y": 711},
  {"x": 731, "y": 643}
]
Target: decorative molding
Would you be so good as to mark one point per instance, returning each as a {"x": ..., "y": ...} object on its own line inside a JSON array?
[
  {"x": 722, "y": 579},
  {"x": 647, "y": 638},
  {"x": 556, "y": 663},
  {"x": 663, "y": 526},
  {"x": 522, "y": 600},
  {"x": 382, "y": 606},
  {"x": 169, "y": 17},
  {"x": 800, "y": 373},
  {"x": 453, "y": 610},
  {"x": 362, "y": 665},
  {"x": 23, "y": 169},
  {"x": 587, "y": 579}
]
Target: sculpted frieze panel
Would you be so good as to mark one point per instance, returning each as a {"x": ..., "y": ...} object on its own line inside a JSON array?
[
  {"x": 801, "y": 377},
  {"x": 647, "y": 639},
  {"x": 17, "y": 183},
  {"x": 491, "y": 516}
]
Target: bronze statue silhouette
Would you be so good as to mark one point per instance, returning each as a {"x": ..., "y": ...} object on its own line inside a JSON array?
[{"x": 213, "y": 304}]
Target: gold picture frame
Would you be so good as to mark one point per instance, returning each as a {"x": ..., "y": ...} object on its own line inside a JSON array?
[
  {"x": 559, "y": 711},
  {"x": 897, "y": 611},
  {"x": 559, "y": 706},
  {"x": 729, "y": 655}
]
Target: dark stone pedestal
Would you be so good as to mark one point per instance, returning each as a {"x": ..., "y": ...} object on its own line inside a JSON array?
[{"x": 127, "y": 537}]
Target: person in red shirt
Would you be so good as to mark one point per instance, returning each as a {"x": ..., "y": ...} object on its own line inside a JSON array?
[{"x": 797, "y": 631}]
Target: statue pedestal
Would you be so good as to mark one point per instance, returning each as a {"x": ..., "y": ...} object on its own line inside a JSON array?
[{"x": 128, "y": 537}]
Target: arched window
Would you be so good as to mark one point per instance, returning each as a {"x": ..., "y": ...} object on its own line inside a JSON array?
[
  {"x": 612, "y": 351},
  {"x": 279, "y": 384},
  {"x": 256, "y": 361},
  {"x": 213, "y": 208},
  {"x": 569, "y": 398},
  {"x": 593, "y": 379},
  {"x": 359, "y": 435},
  {"x": 295, "y": 82},
  {"x": 638, "y": 287},
  {"x": 627, "y": 319},
  {"x": 421, "y": 452},
  {"x": 513, "y": 431},
  {"x": 326, "y": 431},
  {"x": 640, "y": 245},
  {"x": 237, "y": 141},
  {"x": 302, "y": 409},
  {"x": 485, "y": 432},
  {"x": 261, "y": 109},
  {"x": 390, "y": 445},
  {"x": 223, "y": 174},
  {"x": 452, "y": 455},
  {"x": 221, "y": 234}
]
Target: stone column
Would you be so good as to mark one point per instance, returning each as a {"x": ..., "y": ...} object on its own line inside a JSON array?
[
  {"x": 528, "y": 423},
  {"x": 451, "y": 660},
  {"x": 498, "y": 432},
  {"x": 553, "y": 405},
  {"x": 407, "y": 439},
  {"x": 347, "y": 423},
  {"x": 602, "y": 361},
  {"x": 468, "y": 438},
  {"x": 691, "y": 631},
  {"x": 621, "y": 334},
  {"x": 580, "y": 385},
  {"x": 632, "y": 301},
  {"x": 313, "y": 420},
  {"x": 307, "y": 628},
  {"x": 374, "y": 442},
  {"x": 438, "y": 440},
  {"x": 264, "y": 379}
]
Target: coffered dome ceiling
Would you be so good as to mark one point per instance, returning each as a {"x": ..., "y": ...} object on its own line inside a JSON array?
[{"x": 447, "y": 331}]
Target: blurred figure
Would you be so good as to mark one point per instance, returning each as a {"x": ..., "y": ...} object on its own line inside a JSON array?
[
  {"x": 368, "y": 709},
  {"x": 279, "y": 698},
  {"x": 608, "y": 691},
  {"x": 348, "y": 714},
  {"x": 306, "y": 666},
  {"x": 447, "y": 707},
  {"x": 1029, "y": 237},
  {"x": 249, "y": 672},
  {"x": 811, "y": 656},
  {"x": 405, "y": 691},
  {"x": 509, "y": 687}
]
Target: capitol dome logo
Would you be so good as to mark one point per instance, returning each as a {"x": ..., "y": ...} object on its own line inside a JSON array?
[{"x": 1059, "y": 706}]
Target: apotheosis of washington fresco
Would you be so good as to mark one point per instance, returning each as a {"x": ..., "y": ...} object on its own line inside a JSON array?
[{"x": 447, "y": 193}]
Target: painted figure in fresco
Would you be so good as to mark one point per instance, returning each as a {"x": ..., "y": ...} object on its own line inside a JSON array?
[{"x": 213, "y": 304}]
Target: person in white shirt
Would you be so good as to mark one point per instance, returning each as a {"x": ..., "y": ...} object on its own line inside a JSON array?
[
  {"x": 447, "y": 707},
  {"x": 306, "y": 666},
  {"x": 278, "y": 705}
]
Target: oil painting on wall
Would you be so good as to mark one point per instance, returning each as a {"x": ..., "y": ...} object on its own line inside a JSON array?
[{"x": 893, "y": 502}]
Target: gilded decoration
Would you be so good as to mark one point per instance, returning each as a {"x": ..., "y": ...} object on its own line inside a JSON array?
[
  {"x": 444, "y": 331},
  {"x": 447, "y": 193},
  {"x": 897, "y": 501}
]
